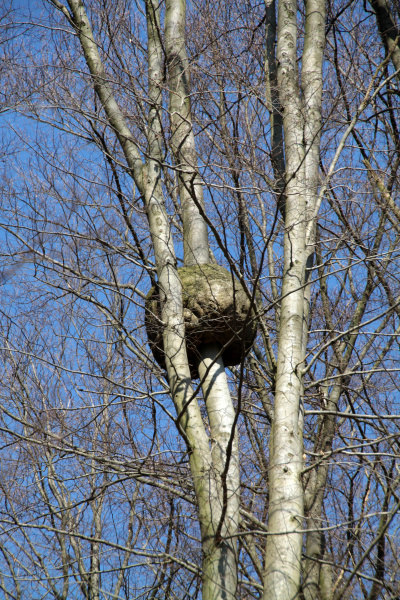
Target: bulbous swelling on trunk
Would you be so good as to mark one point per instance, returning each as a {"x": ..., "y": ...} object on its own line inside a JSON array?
[{"x": 216, "y": 310}]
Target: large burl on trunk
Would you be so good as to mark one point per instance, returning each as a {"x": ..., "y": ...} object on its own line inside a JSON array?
[{"x": 216, "y": 311}]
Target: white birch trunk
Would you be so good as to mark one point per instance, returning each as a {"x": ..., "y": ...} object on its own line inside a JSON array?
[
  {"x": 220, "y": 550},
  {"x": 314, "y": 44},
  {"x": 195, "y": 236},
  {"x": 301, "y": 125}
]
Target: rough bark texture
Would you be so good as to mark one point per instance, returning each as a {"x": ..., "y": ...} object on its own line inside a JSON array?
[{"x": 216, "y": 310}]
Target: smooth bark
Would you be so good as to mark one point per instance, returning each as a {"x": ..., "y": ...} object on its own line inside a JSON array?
[
  {"x": 195, "y": 236},
  {"x": 301, "y": 126},
  {"x": 220, "y": 550},
  {"x": 311, "y": 83},
  {"x": 219, "y": 512},
  {"x": 283, "y": 551}
]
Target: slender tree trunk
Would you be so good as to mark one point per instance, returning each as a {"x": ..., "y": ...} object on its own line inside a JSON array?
[
  {"x": 195, "y": 235},
  {"x": 301, "y": 127},
  {"x": 316, "y": 582},
  {"x": 390, "y": 34},
  {"x": 220, "y": 550},
  {"x": 283, "y": 551},
  {"x": 219, "y": 560},
  {"x": 219, "y": 517},
  {"x": 314, "y": 44},
  {"x": 274, "y": 105},
  {"x": 207, "y": 478}
]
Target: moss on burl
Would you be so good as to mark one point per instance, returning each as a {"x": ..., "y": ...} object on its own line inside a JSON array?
[{"x": 216, "y": 310}]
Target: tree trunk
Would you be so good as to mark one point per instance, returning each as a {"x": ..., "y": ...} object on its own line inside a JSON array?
[
  {"x": 195, "y": 236},
  {"x": 220, "y": 550},
  {"x": 301, "y": 126},
  {"x": 219, "y": 517}
]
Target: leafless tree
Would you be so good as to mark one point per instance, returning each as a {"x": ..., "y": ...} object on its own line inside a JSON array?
[{"x": 200, "y": 309}]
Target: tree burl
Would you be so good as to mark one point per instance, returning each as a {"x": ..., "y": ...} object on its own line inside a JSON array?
[{"x": 216, "y": 310}]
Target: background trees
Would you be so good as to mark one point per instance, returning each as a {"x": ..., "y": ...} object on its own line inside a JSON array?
[{"x": 116, "y": 482}]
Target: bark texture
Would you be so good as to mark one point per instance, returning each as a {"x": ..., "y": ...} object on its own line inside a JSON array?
[
  {"x": 301, "y": 108},
  {"x": 216, "y": 310},
  {"x": 220, "y": 550},
  {"x": 195, "y": 236},
  {"x": 390, "y": 33},
  {"x": 283, "y": 552},
  {"x": 215, "y": 474}
]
